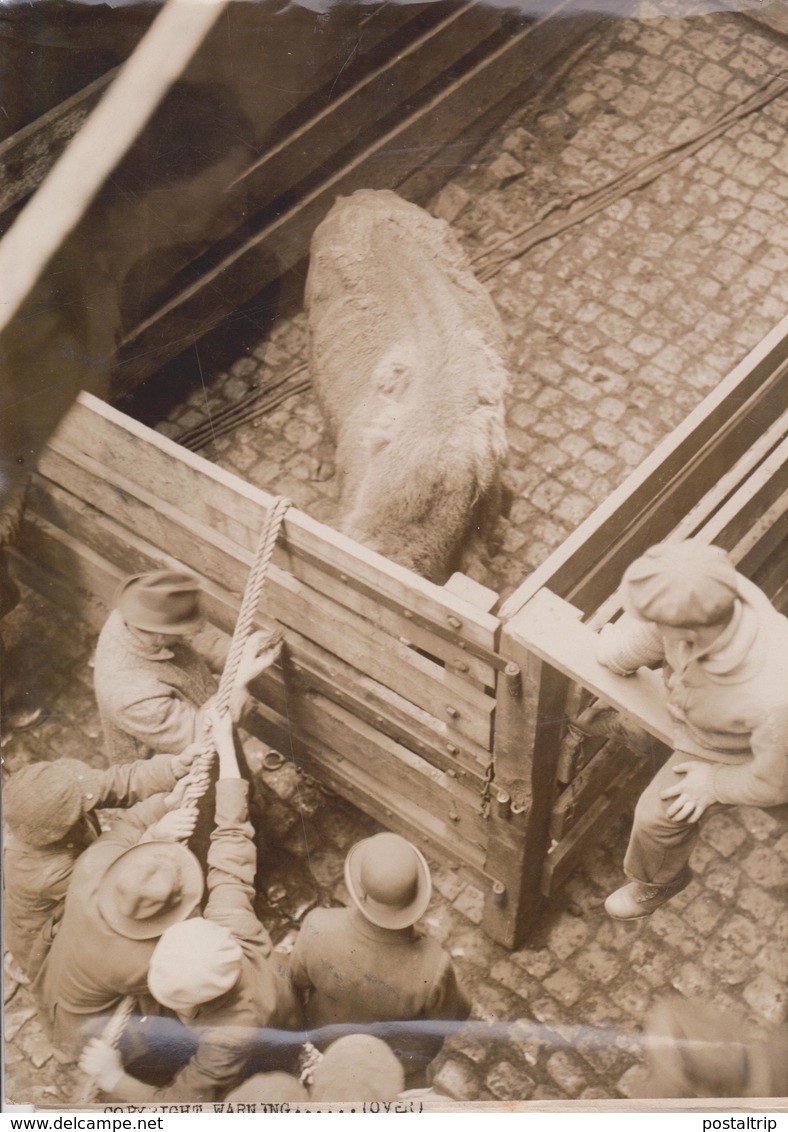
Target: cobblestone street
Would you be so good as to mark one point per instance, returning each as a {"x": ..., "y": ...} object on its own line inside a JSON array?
[{"x": 618, "y": 327}]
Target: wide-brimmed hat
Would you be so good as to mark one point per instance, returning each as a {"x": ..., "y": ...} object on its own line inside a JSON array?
[
  {"x": 164, "y": 601},
  {"x": 388, "y": 880},
  {"x": 194, "y": 962},
  {"x": 43, "y": 801},
  {"x": 149, "y": 887},
  {"x": 681, "y": 584}
]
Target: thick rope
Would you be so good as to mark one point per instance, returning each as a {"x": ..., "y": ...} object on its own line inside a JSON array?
[
  {"x": 113, "y": 1031},
  {"x": 243, "y": 628}
]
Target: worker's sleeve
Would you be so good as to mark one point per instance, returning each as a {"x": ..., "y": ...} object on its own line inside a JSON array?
[
  {"x": 299, "y": 966},
  {"x": 165, "y": 723},
  {"x": 763, "y": 779},
  {"x": 629, "y": 644},
  {"x": 217, "y": 1064},
  {"x": 232, "y": 863},
  {"x": 127, "y": 783},
  {"x": 448, "y": 1000}
]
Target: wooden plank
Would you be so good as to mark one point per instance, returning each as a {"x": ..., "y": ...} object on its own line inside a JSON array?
[
  {"x": 596, "y": 782},
  {"x": 402, "y": 720},
  {"x": 331, "y": 625},
  {"x": 423, "y": 134},
  {"x": 28, "y": 155},
  {"x": 72, "y": 183},
  {"x": 564, "y": 857},
  {"x": 403, "y": 815},
  {"x": 654, "y": 498},
  {"x": 93, "y": 579},
  {"x": 762, "y": 546},
  {"x": 734, "y": 522},
  {"x": 526, "y": 754},
  {"x": 393, "y": 766},
  {"x": 453, "y": 653},
  {"x": 549, "y": 627},
  {"x": 229, "y": 505},
  {"x": 399, "y": 75}
]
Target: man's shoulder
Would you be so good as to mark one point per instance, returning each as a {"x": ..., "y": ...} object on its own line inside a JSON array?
[{"x": 324, "y": 924}]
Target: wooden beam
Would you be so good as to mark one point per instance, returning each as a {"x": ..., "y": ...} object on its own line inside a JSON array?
[{"x": 65, "y": 194}]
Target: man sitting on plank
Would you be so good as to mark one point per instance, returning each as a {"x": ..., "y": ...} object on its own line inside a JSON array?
[{"x": 723, "y": 646}]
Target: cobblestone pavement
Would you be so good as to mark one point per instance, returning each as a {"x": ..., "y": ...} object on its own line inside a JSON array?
[{"x": 618, "y": 328}]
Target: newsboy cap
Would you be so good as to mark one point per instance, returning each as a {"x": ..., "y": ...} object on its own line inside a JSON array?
[
  {"x": 43, "y": 801},
  {"x": 164, "y": 601},
  {"x": 681, "y": 584},
  {"x": 194, "y": 961}
]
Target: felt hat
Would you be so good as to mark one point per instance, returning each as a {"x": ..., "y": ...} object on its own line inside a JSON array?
[
  {"x": 194, "y": 961},
  {"x": 694, "y": 1048},
  {"x": 164, "y": 601},
  {"x": 681, "y": 584},
  {"x": 388, "y": 880},
  {"x": 149, "y": 887},
  {"x": 358, "y": 1067},
  {"x": 43, "y": 801},
  {"x": 269, "y": 1088}
]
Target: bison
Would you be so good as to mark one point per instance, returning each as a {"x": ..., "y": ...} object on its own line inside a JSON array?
[{"x": 406, "y": 356}]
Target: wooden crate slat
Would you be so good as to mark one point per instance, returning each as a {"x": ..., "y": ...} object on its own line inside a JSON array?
[
  {"x": 426, "y": 57},
  {"x": 92, "y": 579},
  {"x": 221, "y": 500},
  {"x": 570, "y": 850},
  {"x": 285, "y": 599},
  {"x": 406, "y": 721},
  {"x": 596, "y": 781},
  {"x": 403, "y": 815},
  {"x": 550, "y": 628},
  {"x": 476, "y": 670},
  {"x": 28, "y": 155}
]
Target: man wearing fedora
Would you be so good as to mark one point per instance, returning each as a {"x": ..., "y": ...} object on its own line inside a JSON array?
[
  {"x": 125, "y": 890},
  {"x": 151, "y": 684},
  {"x": 217, "y": 972},
  {"x": 723, "y": 648},
  {"x": 365, "y": 967},
  {"x": 49, "y": 810}
]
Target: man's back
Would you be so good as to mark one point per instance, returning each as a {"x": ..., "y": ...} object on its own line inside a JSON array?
[{"x": 358, "y": 972}]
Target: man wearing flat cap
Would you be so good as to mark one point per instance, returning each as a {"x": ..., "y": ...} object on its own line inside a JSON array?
[
  {"x": 152, "y": 686},
  {"x": 724, "y": 651},
  {"x": 366, "y": 968}
]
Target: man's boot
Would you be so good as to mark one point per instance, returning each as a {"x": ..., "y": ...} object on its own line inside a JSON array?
[{"x": 636, "y": 900}]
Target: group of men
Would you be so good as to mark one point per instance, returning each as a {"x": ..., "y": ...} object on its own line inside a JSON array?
[{"x": 94, "y": 917}]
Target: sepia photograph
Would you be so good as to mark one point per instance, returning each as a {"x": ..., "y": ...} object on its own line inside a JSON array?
[{"x": 394, "y": 556}]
